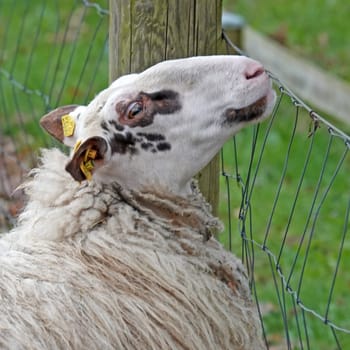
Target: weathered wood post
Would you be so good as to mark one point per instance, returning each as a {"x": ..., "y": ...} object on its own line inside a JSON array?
[
  {"x": 144, "y": 32},
  {"x": 233, "y": 25}
]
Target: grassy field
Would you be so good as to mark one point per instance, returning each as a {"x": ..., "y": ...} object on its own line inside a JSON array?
[
  {"x": 315, "y": 29},
  {"x": 65, "y": 61},
  {"x": 50, "y": 54},
  {"x": 315, "y": 217},
  {"x": 290, "y": 211}
]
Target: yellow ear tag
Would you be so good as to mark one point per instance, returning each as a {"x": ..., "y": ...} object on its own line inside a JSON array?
[
  {"x": 76, "y": 146},
  {"x": 86, "y": 169},
  {"x": 87, "y": 163},
  {"x": 68, "y": 125},
  {"x": 90, "y": 154}
]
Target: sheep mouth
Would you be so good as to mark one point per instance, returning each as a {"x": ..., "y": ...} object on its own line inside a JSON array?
[{"x": 246, "y": 114}]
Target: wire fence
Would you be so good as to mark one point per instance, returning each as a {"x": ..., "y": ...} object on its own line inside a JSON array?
[
  {"x": 285, "y": 184},
  {"x": 293, "y": 218},
  {"x": 51, "y": 53}
]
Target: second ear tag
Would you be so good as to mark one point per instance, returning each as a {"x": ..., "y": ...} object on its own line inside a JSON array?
[{"x": 68, "y": 125}]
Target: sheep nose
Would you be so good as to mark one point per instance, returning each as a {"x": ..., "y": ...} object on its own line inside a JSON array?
[{"x": 254, "y": 70}]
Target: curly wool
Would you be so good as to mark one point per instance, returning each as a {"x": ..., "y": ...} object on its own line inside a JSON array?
[{"x": 93, "y": 266}]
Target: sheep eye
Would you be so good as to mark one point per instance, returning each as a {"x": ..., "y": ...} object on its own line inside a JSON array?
[{"x": 134, "y": 109}]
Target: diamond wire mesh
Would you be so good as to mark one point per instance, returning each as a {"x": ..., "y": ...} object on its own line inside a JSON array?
[
  {"x": 287, "y": 185},
  {"x": 51, "y": 53}
]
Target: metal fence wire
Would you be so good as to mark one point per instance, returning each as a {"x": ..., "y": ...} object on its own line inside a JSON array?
[
  {"x": 51, "y": 53},
  {"x": 285, "y": 183}
]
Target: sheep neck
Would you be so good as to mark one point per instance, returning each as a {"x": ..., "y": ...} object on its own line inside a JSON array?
[
  {"x": 55, "y": 200},
  {"x": 176, "y": 212}
]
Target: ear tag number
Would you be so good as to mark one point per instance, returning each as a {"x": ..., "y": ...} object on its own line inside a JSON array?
[
  {"x": 87, "y": 164},
  {"x": 68, "y": 125},
  {"x": 86, "y": 168},
  {"x": 90, "y": 154}
]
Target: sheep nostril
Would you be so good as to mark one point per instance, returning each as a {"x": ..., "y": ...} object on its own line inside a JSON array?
[{"x": 254, "y": 72}]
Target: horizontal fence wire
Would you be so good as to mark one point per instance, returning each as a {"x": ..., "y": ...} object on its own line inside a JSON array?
[
  {"x": 292, "y": 173},
  {"x": 51, "y": 53}
]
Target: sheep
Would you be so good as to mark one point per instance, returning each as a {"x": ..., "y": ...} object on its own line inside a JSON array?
[{"x": 114, "y": 248}]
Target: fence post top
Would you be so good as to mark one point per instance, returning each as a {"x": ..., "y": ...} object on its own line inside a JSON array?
[{"x": 232, "y": 21}]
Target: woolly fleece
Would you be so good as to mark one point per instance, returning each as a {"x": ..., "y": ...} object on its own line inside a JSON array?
[{"x": 93, "y": 266}]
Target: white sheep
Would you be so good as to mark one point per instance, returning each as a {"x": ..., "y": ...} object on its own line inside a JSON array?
[{"x": 123, "y": 257}]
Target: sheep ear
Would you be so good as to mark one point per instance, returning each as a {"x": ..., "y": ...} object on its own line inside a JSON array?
[
  {"x": 60, "y": 123},
  {"x": 87, "y": 157}
]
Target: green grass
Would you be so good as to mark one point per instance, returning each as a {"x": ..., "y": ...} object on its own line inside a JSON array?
[
  {"x": 324, "y": 219},
  {"x": 315, "y": 29},
  {"x": 50, "y": 54}
]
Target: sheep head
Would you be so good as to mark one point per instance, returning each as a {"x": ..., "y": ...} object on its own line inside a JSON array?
[{"x": 157, "y": 129}]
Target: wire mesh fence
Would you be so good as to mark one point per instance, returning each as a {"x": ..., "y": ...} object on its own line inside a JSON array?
[
  {"x": 287, "y": 181},
  {"x": 284, "y": 185},
  {"x": 51, "y": 53}
]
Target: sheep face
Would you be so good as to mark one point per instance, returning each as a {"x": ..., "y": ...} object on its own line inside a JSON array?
[{"x": 160, "y": 127}]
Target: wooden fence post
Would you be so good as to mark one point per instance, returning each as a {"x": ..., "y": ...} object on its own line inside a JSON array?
[
  {"x": 233, "y": 25},
  {"x": 144, "y": 32}
]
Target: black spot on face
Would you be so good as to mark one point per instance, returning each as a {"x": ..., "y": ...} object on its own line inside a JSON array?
[
  {"x": 151, "y": 136},
  {"x": 163, "y": 95},
  {"x": 163, "y": 146},
  {"x": 123, "y": 143},
  {"x": 107, "y": 127},
  {"x": 164, "y": 101},
  {"x": 104, "y": 126},
  {"x": 153, "y": 141},
  {"x": 146, "y": 145},
  {"x": 117, "y": 126},
  {"x": 246, "y": 114},
  {"x": 149, "y": 104}
]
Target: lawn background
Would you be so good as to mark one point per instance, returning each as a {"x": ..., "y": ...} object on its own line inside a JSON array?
[
  {"x": 318, "y": 31},
  {"x": 314, "y": 29}
]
